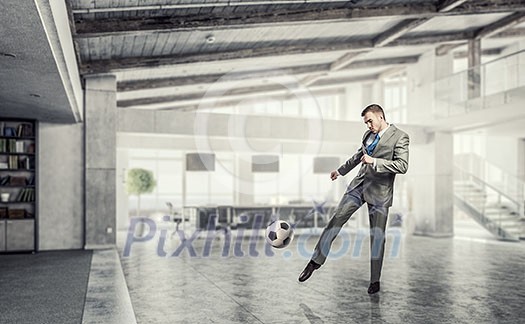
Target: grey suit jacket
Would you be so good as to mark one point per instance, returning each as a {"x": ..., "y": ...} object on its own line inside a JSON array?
[{"x": 391, "y": 154}]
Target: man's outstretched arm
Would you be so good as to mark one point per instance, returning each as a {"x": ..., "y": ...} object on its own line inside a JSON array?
[{"x": 351, "y": 162}]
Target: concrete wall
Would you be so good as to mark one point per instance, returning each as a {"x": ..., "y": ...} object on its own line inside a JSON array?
[{"x": 60, "y": 186}]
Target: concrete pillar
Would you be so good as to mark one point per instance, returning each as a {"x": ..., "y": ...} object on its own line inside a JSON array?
[
  {"x": 423, "y": 101},
  {"x": 474, "y": 69},
  {"x": 431, "y": 186},
  {"x": 100, "y": 161},
  {"x": 420, "y": 89}
]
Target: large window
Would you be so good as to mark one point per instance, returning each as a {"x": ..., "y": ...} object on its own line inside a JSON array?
[
  {"x": 294, "y": 183},
  {"x": 395, "y": 98}
]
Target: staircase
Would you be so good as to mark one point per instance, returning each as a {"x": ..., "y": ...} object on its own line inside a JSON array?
[{"x": 498, "y": 212}]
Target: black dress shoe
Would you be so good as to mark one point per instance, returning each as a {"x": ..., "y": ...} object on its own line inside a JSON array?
[
  {"x": 307, "y": 272},
  {"x": 374, "y": 287}
]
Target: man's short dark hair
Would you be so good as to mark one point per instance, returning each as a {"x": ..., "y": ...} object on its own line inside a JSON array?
[{"x": 375, "y": 108}]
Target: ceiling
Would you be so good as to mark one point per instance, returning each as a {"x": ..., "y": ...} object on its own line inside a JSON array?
[
  {"x": 168, "y": 54},
  {"x": 39, "y": 77}
]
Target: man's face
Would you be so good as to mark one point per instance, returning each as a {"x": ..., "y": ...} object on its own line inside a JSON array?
[{"x": 373, "y": 121}]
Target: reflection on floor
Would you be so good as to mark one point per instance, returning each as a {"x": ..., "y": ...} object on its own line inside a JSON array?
[{"x": 425, "y": 280}]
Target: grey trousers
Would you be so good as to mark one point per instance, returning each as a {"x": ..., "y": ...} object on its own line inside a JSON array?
[{"x": 378, "y": 215}]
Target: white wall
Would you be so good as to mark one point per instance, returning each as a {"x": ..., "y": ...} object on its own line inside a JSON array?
[
  {"x": 502, "y": 152},
  {"x": 60, "y": 186}
]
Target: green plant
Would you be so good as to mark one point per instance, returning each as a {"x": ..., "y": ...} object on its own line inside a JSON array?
[{"x": 140, "y": 181}]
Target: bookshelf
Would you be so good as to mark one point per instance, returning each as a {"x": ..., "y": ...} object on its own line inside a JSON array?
[{"x": 18, "y": 194}]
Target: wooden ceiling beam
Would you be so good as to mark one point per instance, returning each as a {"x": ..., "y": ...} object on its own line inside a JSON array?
[
  {"x": 109, "y": 26},
  {"x": 510, "y": 33},
  {"x": 213, "y": 78},
  {"x": 379, "y": 41},
  {"x": 232, "y": 102},
  {"x": 397, "y": 31},
  {"x": 102, "y": 66},
  {"x": 101, "y": 27},
  {"x": 434, "y": 39},
  {"x": 315, "y": 69},
  {"x": 500, "y": 25},
  {"x": 485, "y": 52},
  {"x": 345, "y": 60},
  {"x": 195, "y": 99},
  {"x": 364, "y": 64},
  {"x": 448, "y": 5}
]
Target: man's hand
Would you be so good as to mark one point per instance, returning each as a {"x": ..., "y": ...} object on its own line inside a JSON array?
[
  {"x": 334, "y": 175},
  {"x": 367, "y": 159}
]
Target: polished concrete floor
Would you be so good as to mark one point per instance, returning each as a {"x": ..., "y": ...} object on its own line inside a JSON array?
[{"x": 425, "y": 280}]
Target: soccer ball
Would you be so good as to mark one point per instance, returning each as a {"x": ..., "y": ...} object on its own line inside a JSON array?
[{"x": 279, "y": 234}]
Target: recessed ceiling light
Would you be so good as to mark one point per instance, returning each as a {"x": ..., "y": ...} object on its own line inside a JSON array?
[
  {"x": 36, "y": 95},
  {"x": 210, "y": 39},
  {"x": 8, "y": 55}
]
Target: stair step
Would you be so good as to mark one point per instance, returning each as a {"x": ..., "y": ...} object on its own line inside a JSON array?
[
  {"x": 503, "y": 219},
  {"x": 490, "y": 211}
]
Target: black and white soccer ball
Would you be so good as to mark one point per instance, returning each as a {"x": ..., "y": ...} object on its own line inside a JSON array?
[{"x": 279, "y": 234}]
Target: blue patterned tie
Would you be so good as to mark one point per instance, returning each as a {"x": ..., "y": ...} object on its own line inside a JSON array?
[{"x": 372, "y": 145}]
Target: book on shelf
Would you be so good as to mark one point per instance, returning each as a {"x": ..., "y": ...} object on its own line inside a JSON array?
[
  {"x": 4, "y": 180},
  {"x": 9, "y": 131},
  {"x": 26, "y": 163},
  {"x": 4, "y": 165},
  {"x": 16, "y": 213},
  {"x": 16, "y": 146},
  {"x": 25, "y": 130},
  {"x": 13, "y": 162},
  {"x": 11, "y": 146},
  {"x": 17, "y": 181},
  {"x": 26, "y": 195},
  {"x": 19, "y": 146},
  {"x": 20, "y": 130}
]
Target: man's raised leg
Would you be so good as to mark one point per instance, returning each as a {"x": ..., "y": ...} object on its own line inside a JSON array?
[{"x": 350, "y": 202}]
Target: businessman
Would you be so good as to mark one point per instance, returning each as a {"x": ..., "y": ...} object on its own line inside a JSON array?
[{"x": 382, "y": 155}]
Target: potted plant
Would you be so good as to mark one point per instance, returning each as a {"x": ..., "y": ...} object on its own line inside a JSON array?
[{"x": 140, "y": 181}]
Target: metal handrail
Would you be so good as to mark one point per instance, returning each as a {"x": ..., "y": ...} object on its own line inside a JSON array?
[
  {"x": 454, "y": 96},
  {"x": 480, "y": 65},
  {"x": 486, "y": 184},
  {"x": 482, "y": 216},
  {"x": 519, "y": 199}
]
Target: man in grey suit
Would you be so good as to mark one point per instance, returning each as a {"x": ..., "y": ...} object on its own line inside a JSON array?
[{"x": 383, "y": 154}]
